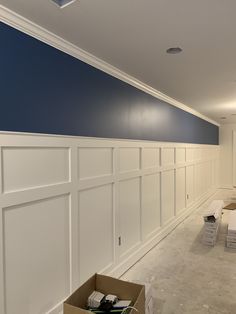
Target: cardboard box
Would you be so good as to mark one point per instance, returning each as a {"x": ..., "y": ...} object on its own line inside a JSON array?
[
  {"x": 149, "y": 307},
  {"x": 148, "y": 296},
  {"x": 77, "y": 302}
]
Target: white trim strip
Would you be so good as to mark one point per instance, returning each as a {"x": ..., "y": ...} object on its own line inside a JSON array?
[
  {"x": 15, "y": 20},
  {"x": 118, "y": 141}
]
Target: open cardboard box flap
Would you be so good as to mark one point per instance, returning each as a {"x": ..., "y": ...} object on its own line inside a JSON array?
[{"x": 77, "y": 302}]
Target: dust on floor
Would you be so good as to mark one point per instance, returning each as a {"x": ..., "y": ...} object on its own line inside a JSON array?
[{"x": 188, "y": 277}]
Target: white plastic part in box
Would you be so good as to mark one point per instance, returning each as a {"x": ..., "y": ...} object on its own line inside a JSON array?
[{"x": 149, "y": 307}]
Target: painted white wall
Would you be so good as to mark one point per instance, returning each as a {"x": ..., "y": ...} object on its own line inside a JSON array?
[
  {"x": 226, "y": 155},
  {"x": 66, "y": 201}
]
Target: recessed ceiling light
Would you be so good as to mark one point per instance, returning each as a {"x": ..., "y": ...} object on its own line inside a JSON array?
[
  {"x": 174, "y": 50},
  {"x": 63, "y": 3}
]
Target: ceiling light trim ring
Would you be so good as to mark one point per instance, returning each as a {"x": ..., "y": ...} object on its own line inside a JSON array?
[{"x": 63, "y": 3}]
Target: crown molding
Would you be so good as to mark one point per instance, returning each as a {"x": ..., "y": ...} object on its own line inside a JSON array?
[{"x": 19, "y": 22}]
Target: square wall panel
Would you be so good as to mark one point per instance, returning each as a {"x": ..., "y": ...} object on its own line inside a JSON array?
[
  {"x": 95, "y": 230},
  {"x": 180, "y": 189},
  {"x": 199, "y": 179},
  {"x": 167, "y": 196},
  {"x": 209, "y": 174},
  {"x": 190, "y": 184},
  {"x": 129, "y": 211},
  {"x": 167, "y": 156},
  {"x": 36, "y": 255},
  {"x": 205, "y": 153},
  {"x": 94, "y": 162},
  {"x": 189, "y": 154},
  {"x": 25, "y": 168},
  {"x": 198, "y": 153},
  {"x": 180, "y": 155},
  {"x": 195, "y": 154},
  {"x": 150, "y": 158},
  {"x": 129, "y": 159},
  {"x": 150, "y": 203}
]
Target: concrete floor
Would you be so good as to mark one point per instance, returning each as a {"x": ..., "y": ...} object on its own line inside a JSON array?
[{"x": 188, "y": 277}]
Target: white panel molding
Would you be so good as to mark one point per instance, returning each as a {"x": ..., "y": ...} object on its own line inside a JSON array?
[
  {"x": 92, "y": 182},
  {"x": 167, "y": 196},
  {"x": 129, "y": 175},
  {"x": 129, "y": 205},
  {"x": 116, "y": 222},
  {"x": 234, "y": 159},
  {"x": 99, "y": 164},
  {"x": 150, "y": 158},
  {"x": 175, "y": 188},
  {"x": 129, "y": 160},
  {"x": 31, "y": 232},
  {"x": 148, "y": 171},
  {"x": 35, "y": 194},
  {"x": 74, "y": 220},
  {"x": 2, "y": 275},
  {"x": 180, "y": 156},
  {"x": 49, "y": 166},
  {"x": 95, "y": 230},
  {"x": 15, "y": 20},
  {"x": 150, "y": 205},
  {"x": 207, "y": 162},
  {"x": 180, "y": 190},
  {"x": 120, "y": 269},
  {"x": 167, "y": 157}
]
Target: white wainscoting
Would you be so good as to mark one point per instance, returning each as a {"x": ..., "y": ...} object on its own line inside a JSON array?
[{"x": 74, "y": 206}]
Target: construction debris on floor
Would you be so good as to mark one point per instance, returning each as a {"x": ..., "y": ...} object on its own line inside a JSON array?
[
  {"x": 231, "y": 237},
  {"x": 148, "y": 296},
  {"x": 104, "y": 294},
  {"x": 212, "y": 220},
  {"x": 187, "y": 276}
]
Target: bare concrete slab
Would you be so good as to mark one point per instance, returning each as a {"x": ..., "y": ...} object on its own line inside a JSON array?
[{"x": 188, "y": 277}]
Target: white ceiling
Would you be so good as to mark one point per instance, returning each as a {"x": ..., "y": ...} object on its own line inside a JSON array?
[{"x": 133, "y": 35}]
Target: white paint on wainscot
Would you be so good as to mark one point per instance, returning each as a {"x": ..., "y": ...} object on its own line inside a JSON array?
[{"x": 72, "y": 206}]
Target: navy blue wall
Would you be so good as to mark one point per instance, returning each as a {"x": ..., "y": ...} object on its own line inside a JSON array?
[{"x": 44, "y": 90}]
